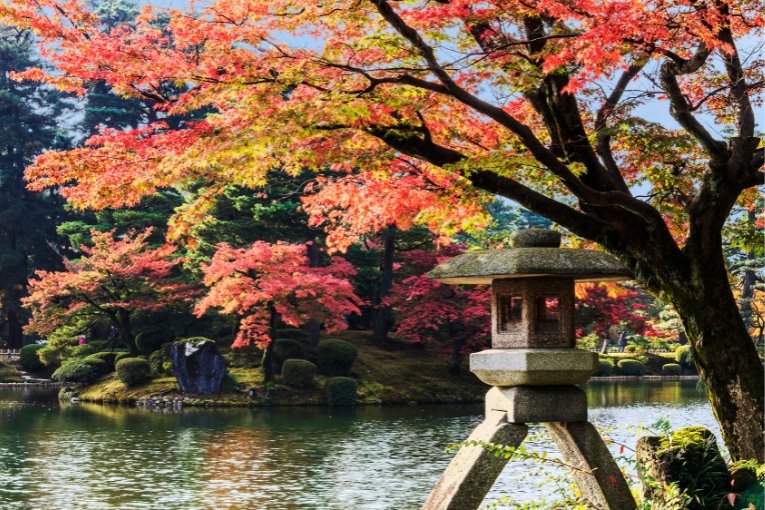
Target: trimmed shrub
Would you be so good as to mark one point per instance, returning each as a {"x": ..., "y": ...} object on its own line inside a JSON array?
[
  {"x": 340, "y": 391},
  {"x": 285, "y": 349},
  {"x": 8, "y": 373},
  {"x": 110, "y": 357},
  {"x": 122, "y": 355},
  {"x": 336, "y": 357},
  {"x": 92, "y": 347},
  {"x": 632, "y": 367},
  {"x": 604, "y": 368},
  {"x": 671, "y": 369},
  {"x": 98, "y": 364},
  {"x": 79, "y": 372},
  {"x": 298, "y": 373},
  {"x": 133, "y": 371},
  {"x": 28, "y": 357},
  {"x": 160, "y": 363},
  {"x": 683, "y": 354}
]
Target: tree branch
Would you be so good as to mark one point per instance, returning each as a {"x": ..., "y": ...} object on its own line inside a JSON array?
[{"x": 680, "y": 108}]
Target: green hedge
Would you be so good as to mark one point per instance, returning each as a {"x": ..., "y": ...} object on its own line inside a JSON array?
[
  {"x": 298, "y": 373},
  {"x": 79, "y": 371},
  {"x": 340, "y": 391},
  {"x": 671, "y": 369},
  {"x": 336, "y": 357},
  {"x": 8, "y": 373},
  {"x": 28, "y": 357},
  {"x": 133, "y": 371},
  {"x": 632, "y": 367},
  {"x": 284, "y": 349},
  {"x": 605, "y": 368},
  {"x": 110, "y": 357},
  {"x": 122, "y": 355}
]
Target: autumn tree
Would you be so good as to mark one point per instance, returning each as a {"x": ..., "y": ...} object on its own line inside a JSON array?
[
  {"x": 447, "y": 103},
  {"x": 265, "y": 284},
  {"x": 113, "y": 281},
  {"x": 428, "y": 311}
]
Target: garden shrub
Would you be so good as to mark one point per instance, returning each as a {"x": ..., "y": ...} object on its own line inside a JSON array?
[
  {"x": 9, "y": 373},
  {"x": 92, "y": 347},
  {"x": 133, "y": 371},
  {"x": 340, "y": 391},
  {"x": 110, "y": 357},
  {"x": 298, "y": 373},
  {"x": 336, "y": 357},
  {"x": 160, "y": 363},
  {"x": 28, "y": 357},
  {"x": 604, "y": 368},
  {"x": 671, "y": 369},
  {"x": 285, "y": 349},
  {"x": 98, "y": 364},
  {"x": 632, "y": 367},
  {"x": 683, "y": 354},
  {"x": 79, "y": 372},
  {"x": 122, "y": 355}
]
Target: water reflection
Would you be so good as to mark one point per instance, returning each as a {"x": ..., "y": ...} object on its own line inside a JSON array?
[{"x": 94, "y": 457}]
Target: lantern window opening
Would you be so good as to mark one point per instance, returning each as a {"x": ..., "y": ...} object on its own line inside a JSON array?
[
  {"x": 548, "y": 309},
  {"x": 510, "y": 312}
]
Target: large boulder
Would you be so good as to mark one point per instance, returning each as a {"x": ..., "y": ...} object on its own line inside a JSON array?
[
  {"x": 197, "y": 366},
  {"x": 690, "y": 459}
]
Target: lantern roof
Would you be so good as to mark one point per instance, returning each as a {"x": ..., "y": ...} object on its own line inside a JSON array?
[{"x": 534, "y": 253}]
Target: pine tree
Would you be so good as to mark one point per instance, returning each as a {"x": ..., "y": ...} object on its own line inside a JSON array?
[{"x": 29, "y": 114}]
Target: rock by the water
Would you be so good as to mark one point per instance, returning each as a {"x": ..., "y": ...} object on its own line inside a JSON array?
[
  {"x": 688, "y": 457},
  {"x": 197, "y": 366}
]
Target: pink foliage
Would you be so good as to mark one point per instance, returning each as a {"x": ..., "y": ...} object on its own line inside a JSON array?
[{"x": 248, "y": 281}]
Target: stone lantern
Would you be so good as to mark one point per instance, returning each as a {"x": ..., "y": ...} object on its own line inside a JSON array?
[{"x": 533, "y": 367}]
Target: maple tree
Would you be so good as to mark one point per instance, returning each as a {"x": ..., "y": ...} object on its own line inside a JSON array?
[
  {"x": 267, "y": 283},
  {"x": 442, "y": 103},
  {"x": 601, "y": 306},
  {"x": 427, "y": 310},
  {"x": 113, "y": 280}
]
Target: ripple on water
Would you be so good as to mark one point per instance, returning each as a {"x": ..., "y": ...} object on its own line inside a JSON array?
[{"x": 95, "y": 457}]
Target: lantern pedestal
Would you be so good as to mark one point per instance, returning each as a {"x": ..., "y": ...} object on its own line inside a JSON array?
[
  {"x": 531, "y": 367},
  {"x": 563, "y": 412}
]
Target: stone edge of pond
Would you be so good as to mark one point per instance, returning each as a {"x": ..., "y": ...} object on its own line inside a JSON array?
[
  {"x": 645, "y": 378},
  {"x": 192, "y": 401},
  {"x": 51, "y": 384}
]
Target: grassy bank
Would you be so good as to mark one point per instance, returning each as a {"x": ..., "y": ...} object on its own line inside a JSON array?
[{"x": 399, "y": 374}]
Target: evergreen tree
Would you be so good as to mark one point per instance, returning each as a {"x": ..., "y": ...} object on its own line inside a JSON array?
[{"x": 29, "y": 114}]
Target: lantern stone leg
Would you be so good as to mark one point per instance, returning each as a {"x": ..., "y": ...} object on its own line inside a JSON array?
[
  {"x": 533, "y": 367},
  {"x": 472, "y": 472}
]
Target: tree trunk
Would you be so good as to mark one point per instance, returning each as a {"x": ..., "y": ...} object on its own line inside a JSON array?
[
  {"x": 268, "y": 353},
  {"x": 313, "y": 326},
  {"x": 121, "y": 321},
  {"x": 697, "y": 285},
  {"x": 728, "y": 362},
  {"x": 15, "y": 333},
  {"x": 382, "y": 315}
]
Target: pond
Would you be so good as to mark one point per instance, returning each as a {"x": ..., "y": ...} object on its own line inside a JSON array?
[{"x": 101, "y": 457}]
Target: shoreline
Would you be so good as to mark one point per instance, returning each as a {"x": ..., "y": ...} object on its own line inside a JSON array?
[{"x": 169, "y": 398}]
